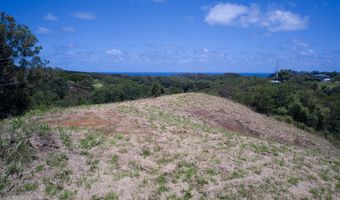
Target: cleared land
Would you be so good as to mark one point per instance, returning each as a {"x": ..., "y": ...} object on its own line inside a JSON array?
[{"x": 186, "y": 146}]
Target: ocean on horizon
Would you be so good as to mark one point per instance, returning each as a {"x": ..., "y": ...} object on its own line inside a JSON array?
[{"x": 262, "y": 75}]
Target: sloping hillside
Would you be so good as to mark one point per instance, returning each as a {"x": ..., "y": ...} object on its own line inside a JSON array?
[{"x": 186, "y": 146}]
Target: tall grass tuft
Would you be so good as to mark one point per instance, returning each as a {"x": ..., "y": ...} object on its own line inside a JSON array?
[{"x": 16, "y": 151}]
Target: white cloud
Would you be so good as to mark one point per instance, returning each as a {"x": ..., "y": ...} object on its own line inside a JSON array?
[
  {"x": 228, "y": 14},
  {"x": 43, "y": 30},
  {"x": 225, "y": 14},
  {"x": 279, "y": 20},
  {"x": 116, "y": 55},
  {"x": 300, "y": 47},
  {"x": 69, "y": 29},
  {"x": 50, "y": 17},
  {"x": 114, "y": 52},
  {"x": 84, "y": 15}
]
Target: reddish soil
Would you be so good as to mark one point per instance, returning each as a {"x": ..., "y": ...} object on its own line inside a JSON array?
[{"x": 108, "y": 121}]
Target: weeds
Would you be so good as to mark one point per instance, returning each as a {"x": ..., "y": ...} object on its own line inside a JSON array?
[
  {"x": 161, "y": 180},
  {"x": 114, "y": 160},
  {"x": 30, "y": 186},
  {"x": 324, "y": 176},
  {"x": 237, "y": 174},
  {"x": 57, "y": 160},
  {"x": 111, "y": 196},
  {"x": 52, "y": 189},
  {"x": 145, "y": 152},
  {"x": 91, "y": 140},
  {"x": 67, "y": 194},
  {"x": 16, "y": 150},
  {"x": 66, "y": 138},
  {"x": 293, "y": 180}
]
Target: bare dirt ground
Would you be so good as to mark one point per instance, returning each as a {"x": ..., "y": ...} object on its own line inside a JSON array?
[{"x": 186, "y": 146}]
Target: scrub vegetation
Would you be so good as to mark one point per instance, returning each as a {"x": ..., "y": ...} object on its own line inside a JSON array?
[{"x": 190, "y": 136}]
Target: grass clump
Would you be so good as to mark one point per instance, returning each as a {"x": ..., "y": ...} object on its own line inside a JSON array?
[
  {"x": 317, "y": 192},
  {"x": 57, "y": 160},
  {"x": 53, "y": 189},
  {"x": 111, "y": 196},
  {"x": 337, "y": 186},
  {"x": 114, "y": 160},
  {"x": 161, "y": 180},
  {"x": 293, "y": 180},
  {"x": 325, "y": 176},
  {"x": 237, "y": 174},
  {"x": 91, "y": 140},
  {"x": 261, "y": 148},
  {"x": 67, "y": 194},
  {"x": 64, "y": 175},
  {"x": 30, "y": 186},
  {"x": 16, "y": 149},
  {"x": 66, "y": 138},
  {"x": 145, "y": 152}
]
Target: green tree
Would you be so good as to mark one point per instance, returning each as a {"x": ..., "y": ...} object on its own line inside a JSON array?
[
  {"x": 18, "y": 52},
  {"x": 157, "y": 90}
]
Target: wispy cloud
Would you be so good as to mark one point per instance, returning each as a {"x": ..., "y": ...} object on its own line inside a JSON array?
[
  {"x": 43, "y": 30},
  {"x": 50, "y": 17},
  {"x": 275, "y": 20},
  {"x": 68, "y": 29},
  {"x": 300, "y": 47},
  {"x": 114, "y": 52},
  {"x": 116, "y": 55},
  {"x": 84, "y": 15}
]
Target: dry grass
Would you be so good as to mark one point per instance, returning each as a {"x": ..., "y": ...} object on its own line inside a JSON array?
[{"x": 180, "y": 147}]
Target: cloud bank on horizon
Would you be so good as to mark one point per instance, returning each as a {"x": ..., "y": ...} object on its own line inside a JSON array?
[{"x": 184, "y": 36}]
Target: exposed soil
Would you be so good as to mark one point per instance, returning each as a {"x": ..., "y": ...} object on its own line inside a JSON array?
[{"x": 106, "y": 120}]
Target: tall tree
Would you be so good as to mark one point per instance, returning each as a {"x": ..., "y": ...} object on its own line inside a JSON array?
[
  {"x": 18, "y": 53},
  {"x": 157, "y": 90}
]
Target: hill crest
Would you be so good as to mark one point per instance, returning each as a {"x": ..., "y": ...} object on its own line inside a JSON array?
[{"x": 181, "y": 146}]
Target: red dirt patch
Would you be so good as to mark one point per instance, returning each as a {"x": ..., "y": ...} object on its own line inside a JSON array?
[{"x": 108, "y": 121}]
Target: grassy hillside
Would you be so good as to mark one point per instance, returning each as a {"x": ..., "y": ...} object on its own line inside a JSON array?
[{"x": 185, "y": 146}]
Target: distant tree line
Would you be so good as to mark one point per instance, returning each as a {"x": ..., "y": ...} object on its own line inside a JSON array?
[{"x": 26, "y": 83}]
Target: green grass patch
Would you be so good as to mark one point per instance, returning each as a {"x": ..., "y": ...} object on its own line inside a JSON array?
[
  {"x": 293, "y": 180},
  {"x": 53, "y": 189},
  {"x": 111, "y": 196},
  {"x": 114, "y": 160},
  {"x": 317, "y": 192},
  {"x": 66, "y": 138},
  {"x": 67, "y": 194},
  {"x": 261, "y": 148},
  {"x": 16, "y": 151},
  {"x": 145, "y": 152},
  {"x": 325, "y": 176},
  {"x": 161, "y": 180},
  {"x": 237, "y": 174},
  {"x": 30, "y": 186},
  {"x": 91, "y": 140}
]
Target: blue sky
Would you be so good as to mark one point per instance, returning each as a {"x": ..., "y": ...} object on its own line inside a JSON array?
[{"x": 183, "y": 35}]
